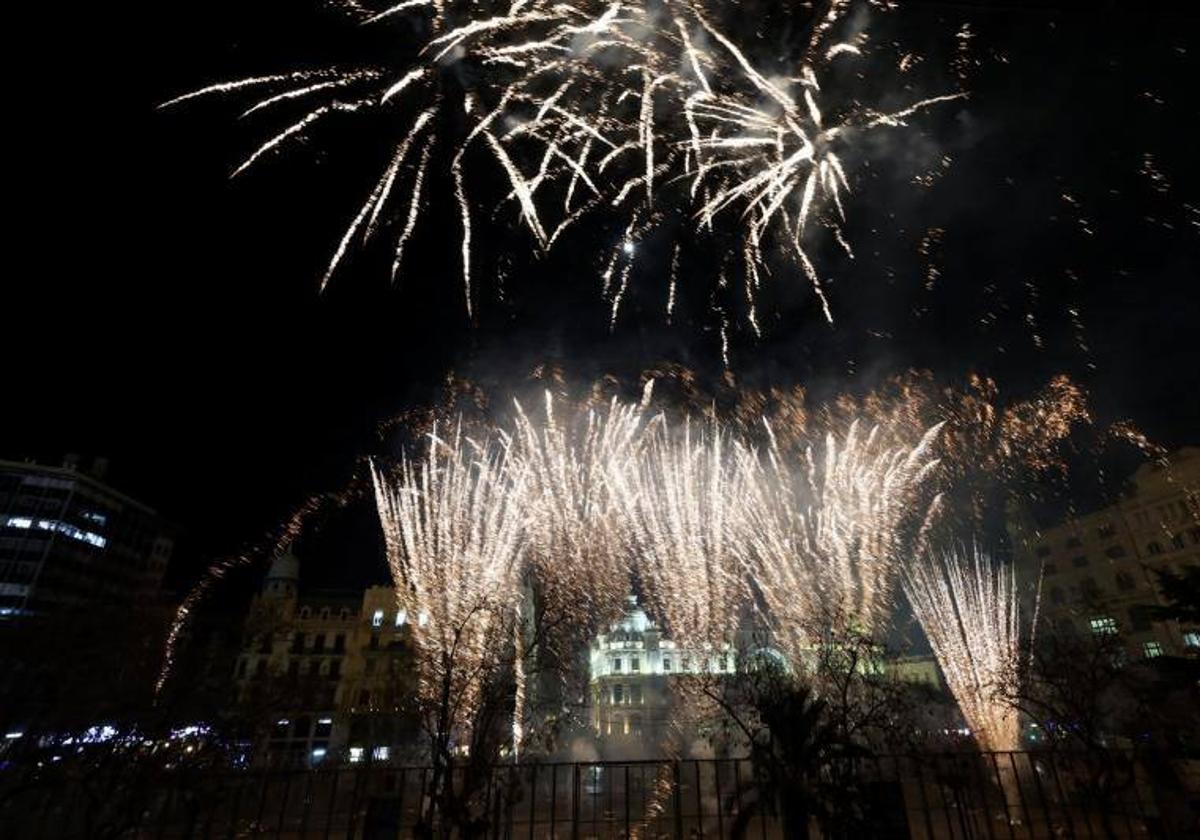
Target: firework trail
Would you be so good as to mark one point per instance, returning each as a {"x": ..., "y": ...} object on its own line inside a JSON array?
[
  {"x": 647, "y": 115},
  {"x": 685, "y": 504},
  {"x": 967, "y": 605},
  {"x": 576, "y": 535},
  {"x": 453, "y": 528},
  {"x": 829, "y": 532}
]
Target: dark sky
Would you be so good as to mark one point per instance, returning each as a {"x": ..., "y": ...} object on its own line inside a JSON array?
[{"x": 164, "y": 316}]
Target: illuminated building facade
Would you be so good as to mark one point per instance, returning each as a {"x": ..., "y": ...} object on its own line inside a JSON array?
[
  {"x": 69, "y": 540},
  {"x": 632, "y": 666},
  {"x": 1098, "y": 569},
  {"x": 322, "y": 677}
]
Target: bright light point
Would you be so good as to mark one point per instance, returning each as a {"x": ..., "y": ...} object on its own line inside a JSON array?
[
  {"x": 356, "y": 755},
  {"x": 627, "y": 248},
  {"x": 12, "y": 736}
]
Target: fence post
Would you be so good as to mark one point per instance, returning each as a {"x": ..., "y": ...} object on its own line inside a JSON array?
[
  {"x": 532, "y": 797},
  {"x": 678, "y": 800},
  {"x": 575, "y": 789}
]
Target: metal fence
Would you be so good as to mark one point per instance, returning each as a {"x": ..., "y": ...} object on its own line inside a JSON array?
[{"x": 967, "y": 795}]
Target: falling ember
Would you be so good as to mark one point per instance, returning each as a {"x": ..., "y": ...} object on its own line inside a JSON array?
[{"x": 967, "y": 605}]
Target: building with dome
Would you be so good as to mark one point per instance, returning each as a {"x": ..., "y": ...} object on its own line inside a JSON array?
[{"x": 632, "y": 667}]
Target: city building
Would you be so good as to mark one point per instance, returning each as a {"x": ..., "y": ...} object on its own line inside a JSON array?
[
  {"x": 1098, "y": 569},
  {"x": 323, "y": 676},
  {"x": 633, "y": 667},
  {"x": 69, "y": 540}
]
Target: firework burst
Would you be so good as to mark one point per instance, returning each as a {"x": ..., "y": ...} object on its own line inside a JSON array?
[{"x": 646, "y": 116}]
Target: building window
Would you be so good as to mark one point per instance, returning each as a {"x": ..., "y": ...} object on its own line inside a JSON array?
[
  {"x": 364, "y": 697},
  {"x": 1195, "y": 535},
  {"x": 1114, "y": 552},
  {"x": 343, "y": 613},
  {"x": 635, "y": 695},
  {"x": 298, "y": 641},
  {"x": 1152, "y": 649},
  {"x": 305, "y": 612},
  {"x": 380, "y": 753},
  {"x": 618, "y": 695},
  {"x": 617, "y": 665},
  {"x": 1154, "y": 548},
  {"x": 339, "y": 643},
  {"x": 356, "y": 755},
  {"x": 324, "y": 613},
  {"x": 260, "y": 668},
  {"x": 324, "y": 728},
  {"x": 1177, "y": 541},
  {"x": 294, "y": 668},
  {"x": 1088, "y": 588},
  {"x": 1103, "y": 625},
  {"x": 401, "y": 617},
  {"x": 319, "y": 642},
  {"x": 666, "y": 664},
  {"x": 1080, "y": 561},
  {"x": 635, "y": 665},
  {"x": 1125, "y": 581},
  {"x": 1192, "y": 638},
  {"x": 1107, "y": 531},
  {"x": 335, "y": 669},
  {"x": 377, "y": 619}
]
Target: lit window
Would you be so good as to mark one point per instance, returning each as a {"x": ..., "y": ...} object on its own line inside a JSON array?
[
  {"x": 666, "y": 664},
  {"x": 635, "y": 665},
  {"x": 377, "y": 619},
  {"x": 1103, "y": 626},
  {"x": 617, "y": 665},
  {"x": 422, "y": 618},
  {"x": 356, "y": 755},
  {"x": 318, "y": 754},
  {"x": 1192, "y": 638},
  {"x": 380, "y": 753},
  {"x": 401, "y": 618},
  {"x": 1152, "y": 649}
]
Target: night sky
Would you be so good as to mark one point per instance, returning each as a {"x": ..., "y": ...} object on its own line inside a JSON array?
[{"x": 166, "y": 317}]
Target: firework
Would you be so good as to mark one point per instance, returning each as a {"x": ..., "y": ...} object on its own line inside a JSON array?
[
  {"x": 453, "y": 528},
  {"x": 686, "y": 506},
  {"x": 830, "y": 530},
  {"x": 967, "y": 605},
  {"x": 649, "y": 114}
]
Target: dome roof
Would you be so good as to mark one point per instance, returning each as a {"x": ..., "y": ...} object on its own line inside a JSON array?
[{"x": 285, "y": 567}]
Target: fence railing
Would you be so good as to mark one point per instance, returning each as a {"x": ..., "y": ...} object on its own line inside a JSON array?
[{"x": 967, "y": 795}]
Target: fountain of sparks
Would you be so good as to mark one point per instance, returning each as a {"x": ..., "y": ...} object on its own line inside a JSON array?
[{"x": 967, "y": 605}]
